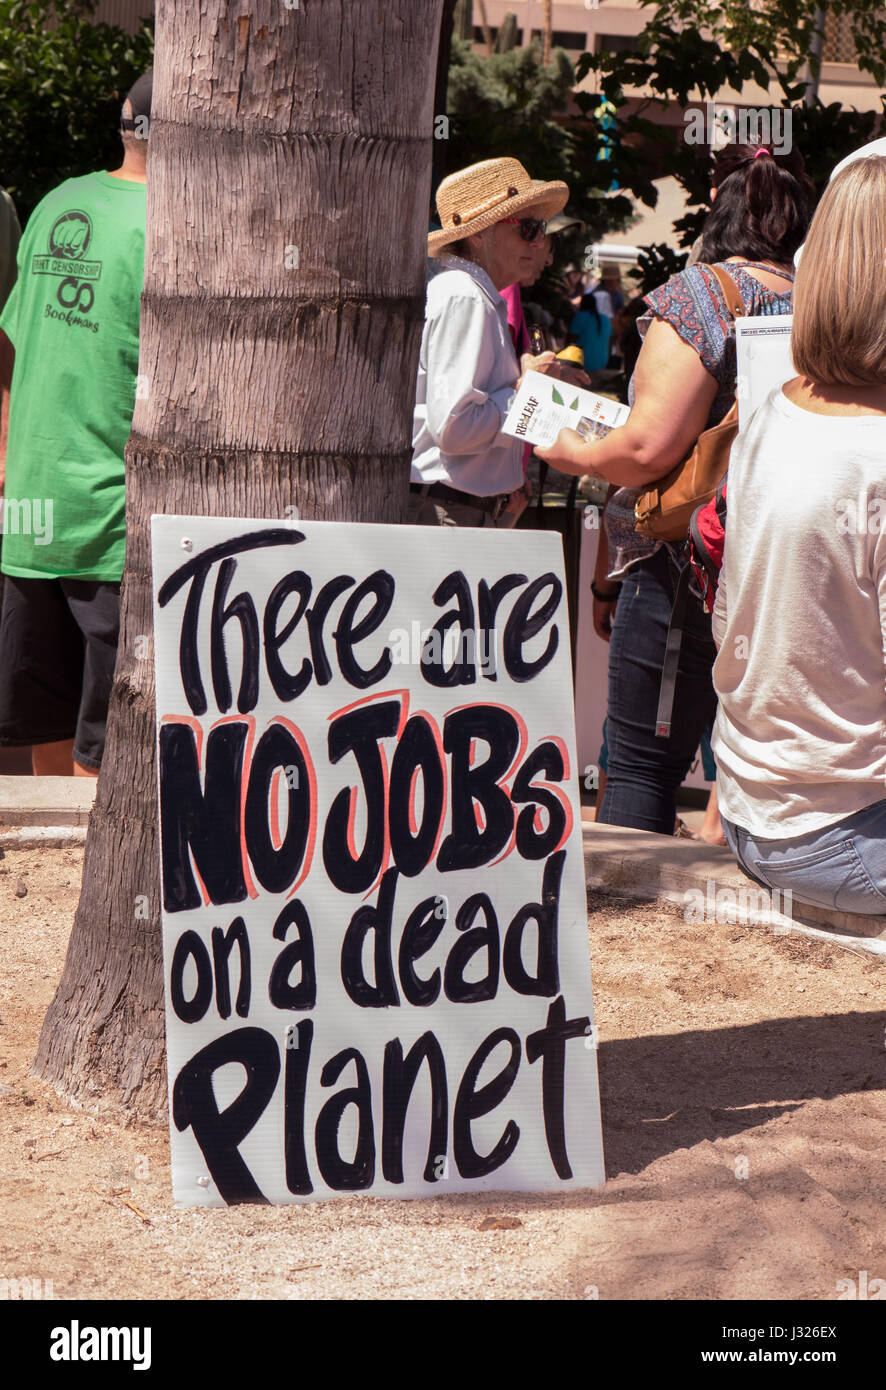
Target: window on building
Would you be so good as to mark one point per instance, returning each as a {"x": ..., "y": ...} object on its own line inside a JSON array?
[
  {"x": 574, "y": 40},
  {"x": 480, "y": 37},
  {"x": 617, "y": 43},
  {"x": 839, "y": 45},
  {"x": 568, "y": 38}
]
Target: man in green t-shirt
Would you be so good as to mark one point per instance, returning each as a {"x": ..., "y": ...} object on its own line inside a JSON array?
[{"x": 72, "y": 320}]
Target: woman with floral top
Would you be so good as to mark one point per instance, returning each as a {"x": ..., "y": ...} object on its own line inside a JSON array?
[{"x": 683, "y": 384}]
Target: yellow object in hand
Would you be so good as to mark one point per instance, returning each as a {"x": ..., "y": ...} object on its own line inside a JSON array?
[{"x": 572, "y": 354}]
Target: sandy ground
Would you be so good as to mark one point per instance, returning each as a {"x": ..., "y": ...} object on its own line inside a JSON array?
[{"x": 744, "y": 1120}]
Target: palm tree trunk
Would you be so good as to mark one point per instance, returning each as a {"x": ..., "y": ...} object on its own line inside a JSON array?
[
  {"x": 506, "y": 38},
  {"x": 288, "y": 185},
  {"x": 464, "y": 19},
  {"x": 547, "y": 29},
  {"x": 487, "y": 32},
  {"x": 812, "y": 75}
]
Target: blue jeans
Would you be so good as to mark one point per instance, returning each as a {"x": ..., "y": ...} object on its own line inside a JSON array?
[
  {"x": 842, "y": 866},
  {"x": 645, "y": 772}
]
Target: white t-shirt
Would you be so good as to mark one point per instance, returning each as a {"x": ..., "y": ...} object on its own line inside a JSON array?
[
  {"x": 467, "y": 372},
  {"x": 603, "y": 300},
  {"x": 800, "y": 619}
]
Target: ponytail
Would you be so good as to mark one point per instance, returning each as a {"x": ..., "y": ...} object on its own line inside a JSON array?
[{"x": 763, "y": 207}]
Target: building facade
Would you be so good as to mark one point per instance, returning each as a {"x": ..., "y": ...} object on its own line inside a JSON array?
[
  {"x": 596, "y": 26},
  {"x": 126, "y": 14}
]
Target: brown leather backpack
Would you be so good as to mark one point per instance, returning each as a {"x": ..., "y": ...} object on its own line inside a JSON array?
[{"x": 663, "y": 512}]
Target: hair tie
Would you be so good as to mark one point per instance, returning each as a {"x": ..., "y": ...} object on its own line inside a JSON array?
[{"x": 763, "y": 150}]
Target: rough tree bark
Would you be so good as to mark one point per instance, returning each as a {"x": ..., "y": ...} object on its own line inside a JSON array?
[
  {"x": 547, "y": 28},
  {"x": 288, "y": 185}
]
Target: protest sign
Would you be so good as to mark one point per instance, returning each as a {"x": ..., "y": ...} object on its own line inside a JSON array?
[
  {"x": 374, "y": 922},
  {"x": 763, "y": 352}
]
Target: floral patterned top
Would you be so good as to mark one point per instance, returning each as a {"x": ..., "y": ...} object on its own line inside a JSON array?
[{"x": 693, "y": 304}]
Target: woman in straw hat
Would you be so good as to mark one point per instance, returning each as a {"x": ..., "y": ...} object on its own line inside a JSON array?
[{"x": 465, "y": 472}]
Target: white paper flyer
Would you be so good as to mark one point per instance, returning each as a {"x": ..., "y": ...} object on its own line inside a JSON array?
[
  {"x": 763, "y": 350},
  {"x": 544, "y": 406}
]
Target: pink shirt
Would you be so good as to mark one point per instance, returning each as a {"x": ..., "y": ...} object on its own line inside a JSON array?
[
  {"x": 516, "y": 319},
  {"x": 520, "y": 335}
]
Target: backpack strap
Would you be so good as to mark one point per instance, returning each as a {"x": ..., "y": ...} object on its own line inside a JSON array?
[
  {"x": 672, "y": 656},
  {"x": 734, "y": 302}
]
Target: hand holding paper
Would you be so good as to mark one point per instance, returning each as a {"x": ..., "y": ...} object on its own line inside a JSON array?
[
  {"x": 528, "y": 363},
  {"x": 560, "y": 419},
  {"x": 568, "y": 454}
]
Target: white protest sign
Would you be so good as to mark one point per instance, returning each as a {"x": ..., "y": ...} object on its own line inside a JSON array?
[
  {"x": 763, "y": 352},
  {"x": 374, "y": 922}
]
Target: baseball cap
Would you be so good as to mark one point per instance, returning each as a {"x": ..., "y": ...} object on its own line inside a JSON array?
[{"x": 139, "y": 99}]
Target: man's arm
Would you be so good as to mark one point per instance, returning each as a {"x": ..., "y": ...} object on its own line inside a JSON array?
[{"x": 463, "y": 417}]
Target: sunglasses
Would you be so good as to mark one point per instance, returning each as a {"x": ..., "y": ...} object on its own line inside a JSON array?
[{"x": 531, "y": 228}]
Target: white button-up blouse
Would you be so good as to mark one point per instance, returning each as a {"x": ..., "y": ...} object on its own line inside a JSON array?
[{"x": 466, "y": 377}]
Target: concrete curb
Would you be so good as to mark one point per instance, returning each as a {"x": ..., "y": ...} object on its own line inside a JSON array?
[
  {"x": 45, "y": 801},
  {"x": 685, "y": 875},
  {"x": 42, "y": 836},
  {"x": 704, "y": 880}
]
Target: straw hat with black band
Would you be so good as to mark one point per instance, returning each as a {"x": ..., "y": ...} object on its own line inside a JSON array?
[{"x": 483, "y": 194}]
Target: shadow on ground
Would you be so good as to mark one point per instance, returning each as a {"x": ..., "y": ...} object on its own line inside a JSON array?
[{"x": 671, "y": 1091}]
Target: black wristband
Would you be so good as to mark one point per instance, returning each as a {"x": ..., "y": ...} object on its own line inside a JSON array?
[{"x": 605, "y": 598}]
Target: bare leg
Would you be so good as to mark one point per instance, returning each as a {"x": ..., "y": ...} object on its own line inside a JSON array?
[
  {"x": 53, "y": 759},
  {"x": 711, "y": 829},
  {"x": 81, "y": 771}
]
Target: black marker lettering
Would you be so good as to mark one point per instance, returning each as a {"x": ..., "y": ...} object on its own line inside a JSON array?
[
  {"x": 220, "y": 1133},
  {"x": 549, "y": 1043},
  {"x": 471, "y": 1103}
]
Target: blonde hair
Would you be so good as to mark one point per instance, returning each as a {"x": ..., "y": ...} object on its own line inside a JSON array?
[{"x": 838, "y": 336}]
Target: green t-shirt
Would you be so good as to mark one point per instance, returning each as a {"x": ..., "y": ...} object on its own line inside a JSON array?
[{"x": 72, "y": 318}]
